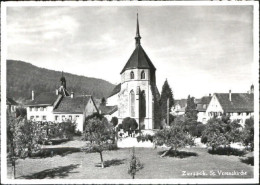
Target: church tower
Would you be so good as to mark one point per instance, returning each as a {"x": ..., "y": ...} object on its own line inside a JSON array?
[
  {"x": 139, "y": 96},
  {"x": 63, "y": 89}
]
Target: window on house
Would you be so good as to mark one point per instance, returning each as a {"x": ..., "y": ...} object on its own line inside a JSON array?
[
  {"x": 41, "y": 108},
  {"x": 132, "y": 103},
  {"x": 36, "y": 108},
  {"x": 239, "y": 113},
  {"x": 37, "y": 117},
  {"x": 30, "y": 108},
  {"x": 43, "y": 117},
  {"x": 56, "y": 118},
  {"x": 142, "y": 75},
  {"x": 247, "y": 113},
  {"x": 70, "y": 117},
  {"x": 31, "y": 118},
  {"x": 132, "y": 76}
]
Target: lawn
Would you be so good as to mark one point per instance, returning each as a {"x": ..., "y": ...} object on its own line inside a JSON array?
[{"x": 74, "y": 164}]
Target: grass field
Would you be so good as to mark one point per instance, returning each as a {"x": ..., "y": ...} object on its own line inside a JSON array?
[{"x": 73, "y": 164}]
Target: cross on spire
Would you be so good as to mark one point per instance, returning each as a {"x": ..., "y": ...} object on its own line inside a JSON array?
[{"x": 137, "y": 37}]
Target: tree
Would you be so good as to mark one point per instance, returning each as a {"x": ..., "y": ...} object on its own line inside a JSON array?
[
  {"x": 190, "y": 110},
  {"x": 22, "y": 139},
  {"x": 103, "y": 101},
  {"x": 99, "y": 134},
  {"x": 135, "y": 164},
  {"x": 129, "y": 125},
  {"x": 114, "y": 120},
  {"x": 221, "y": 132},
  {"x": 248, "y": 133},
  {"x": 94, "y": 115},
  {"x": 174, "y": 137},
  {"x": 165, "y": 95}
]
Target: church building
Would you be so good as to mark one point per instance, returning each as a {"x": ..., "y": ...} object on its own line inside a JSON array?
[{"x": 137, "y": 95}]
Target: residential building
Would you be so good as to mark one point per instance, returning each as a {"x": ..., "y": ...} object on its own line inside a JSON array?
[
  {"x": 239, "y": 106},
  {"x": 202, "y": 106},
  {"x": 61, "y": 106},
  {"x": 11, "y": 105},
  {"x": 179, "y": 107}
]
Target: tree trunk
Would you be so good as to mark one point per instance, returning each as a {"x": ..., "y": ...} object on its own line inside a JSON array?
[
  {"x": 133, "y": 176},
  {"x": 13, "y": 168},
  {"x": 166, "y": 152},
  {"x": 102, "y": 162}
]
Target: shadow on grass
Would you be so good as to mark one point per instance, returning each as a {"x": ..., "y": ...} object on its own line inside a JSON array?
[
  {"x": 113, "y": 162},
  {"x": 227, "y": 151},
  {"x": 179, "y": 154},
  {"x": 248, "y": 160},
  {"x": 50, "y": 152},
  {"x": 61, "y": 171}
]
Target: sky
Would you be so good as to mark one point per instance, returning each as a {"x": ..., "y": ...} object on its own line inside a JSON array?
[{"x": 198, "y": 49}]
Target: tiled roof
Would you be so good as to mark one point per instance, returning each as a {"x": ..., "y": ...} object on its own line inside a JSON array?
[
  {"x": 240, "y": 102},
  {"x": 72, "y": 105},
  {"x": 182, "y": 102},
  {"x": 116, "y": 90},
  {"x": 47, "y": 98},
  {"x": 138, "y": 60},
  {"x": 203, "y": 103},
  {"x": 10, "y": 101},
  {"x": 108, "y": 109}
]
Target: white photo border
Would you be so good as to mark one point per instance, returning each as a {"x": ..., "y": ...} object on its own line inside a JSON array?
[{"x": 4, "y": 178}]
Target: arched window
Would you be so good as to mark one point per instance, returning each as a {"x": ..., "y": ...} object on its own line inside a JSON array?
[
  {"x": 132, "y": 75},
  {"x": 132, "y": 103},
  {"x": 142, "y": 75}
]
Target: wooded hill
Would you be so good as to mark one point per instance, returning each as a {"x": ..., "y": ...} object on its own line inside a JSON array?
[{"x": 24, "y": 77}]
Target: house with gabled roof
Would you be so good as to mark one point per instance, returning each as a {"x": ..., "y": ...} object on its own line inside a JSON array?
[
  {"x": 179, "y": 107},
  {"x": 239, "y": 106},
  {"x": 201, "y": 106},
  {"x": 61, "y": 106},
  {"x": 11, "y": 105}
]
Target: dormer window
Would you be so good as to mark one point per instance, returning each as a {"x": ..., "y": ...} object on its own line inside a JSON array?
[
  {"x": 142, "y": 75},
  {"x": 132, "y": 76}
]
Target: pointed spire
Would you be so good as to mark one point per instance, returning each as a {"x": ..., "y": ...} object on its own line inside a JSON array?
[{"x": 137, "y": 37}]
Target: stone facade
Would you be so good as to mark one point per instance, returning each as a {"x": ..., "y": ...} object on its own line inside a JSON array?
[{"x": 143, "y": 98}]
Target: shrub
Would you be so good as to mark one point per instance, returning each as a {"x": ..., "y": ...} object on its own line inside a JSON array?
[
  {"x": 114, "y": 120},
  {"x": 129, "y": 124}
]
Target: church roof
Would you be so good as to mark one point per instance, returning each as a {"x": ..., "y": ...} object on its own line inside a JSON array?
[
  {"x": 108, "y": 110},
  {"x": 240, "y": 102},
  {"x": 116, "y": 90},
  {"x": 139, "y": 60}
]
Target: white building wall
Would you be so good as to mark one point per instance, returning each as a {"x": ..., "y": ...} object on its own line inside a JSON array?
[
  {"x": 75, "y": 118},
  {"x": 202, "y": 117},
  {"x": 214, "y": 106},
  {"x": 127, "y": 86},
  {"x": 40, "y": 113},
  {"x": 113, "y": 100}
]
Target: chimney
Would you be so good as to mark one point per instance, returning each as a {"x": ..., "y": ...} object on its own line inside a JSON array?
[
  {"x": 209, "y": 95},
  {"x": 57, "y": 92},
  {"x": 230, "y": 99},
  {"x": 72, "y": 94},
  {"x": 32, "y": 95}
]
